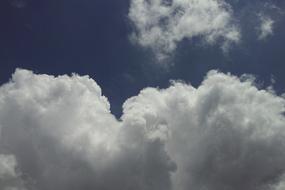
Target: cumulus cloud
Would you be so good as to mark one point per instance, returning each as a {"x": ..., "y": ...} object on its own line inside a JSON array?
[
  {"x": 62, "y": 133},
  {"x": 266, "y": 27},
  {"x": 161, "y": 24},
  {"x": 58, "y": 133}
]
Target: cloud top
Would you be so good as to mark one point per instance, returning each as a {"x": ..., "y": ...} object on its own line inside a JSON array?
[{"x": 58, "y": 133}]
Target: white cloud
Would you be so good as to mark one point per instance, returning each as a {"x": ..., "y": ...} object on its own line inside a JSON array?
[
  {"x": 161, "y": 24},
  {"x": 266, "y": 27},
  {"x": 62, "y": 133},
  {"x": 225, "y": 134}
]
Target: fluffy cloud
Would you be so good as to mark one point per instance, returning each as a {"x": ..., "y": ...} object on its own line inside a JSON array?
[
  {"x": 58, "y": 133},
  {"x": 63, "y": 136},
  {"x": 226, "y": 134},
  {"x": 161, "y": 24}
]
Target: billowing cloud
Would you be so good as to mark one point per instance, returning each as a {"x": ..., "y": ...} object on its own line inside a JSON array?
[
  {"x": 58, "y": 133},
  {"x": 225, "y": 134},
  {"x": 63, "y": 136},
  {"x": 161, "y": 24}
]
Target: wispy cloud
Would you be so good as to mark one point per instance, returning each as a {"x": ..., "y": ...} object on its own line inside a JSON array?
[{"x": 266, "y": 27}]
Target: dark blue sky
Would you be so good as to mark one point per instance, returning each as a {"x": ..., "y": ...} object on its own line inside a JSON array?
[{"x": 92, "y": 37}]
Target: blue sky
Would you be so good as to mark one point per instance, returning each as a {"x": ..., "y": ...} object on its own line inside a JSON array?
[{"x": 92, "y": 37}]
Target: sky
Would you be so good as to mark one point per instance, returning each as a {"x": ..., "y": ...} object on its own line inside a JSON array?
[
  {"x": 93, "y": 38},
  {"x": 142, "y": 94}
]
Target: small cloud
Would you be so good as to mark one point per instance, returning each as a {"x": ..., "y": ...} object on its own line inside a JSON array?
[
  {"x": 265, "y": 28},
  {"x": 161, "y": 25}
]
